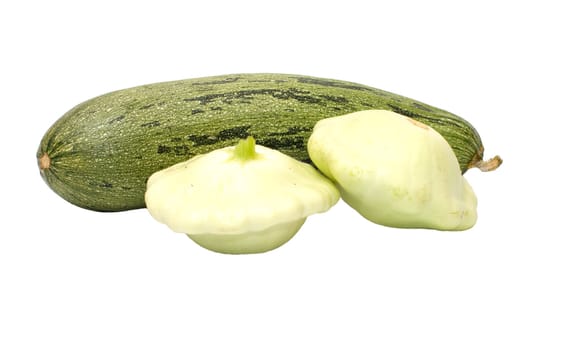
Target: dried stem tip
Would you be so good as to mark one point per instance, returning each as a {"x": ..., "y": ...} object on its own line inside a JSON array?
[
  {"x": 489, "y": 165},
  {"x": 44, "y": 162}
]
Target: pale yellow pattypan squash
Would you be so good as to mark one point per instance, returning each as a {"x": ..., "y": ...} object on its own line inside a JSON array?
[
  {"x": 394, "y": 171},
  {"x": 242, "y": 199}
]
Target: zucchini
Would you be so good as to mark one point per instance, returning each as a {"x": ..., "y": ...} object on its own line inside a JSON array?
[{"x": 100, "y": 154}]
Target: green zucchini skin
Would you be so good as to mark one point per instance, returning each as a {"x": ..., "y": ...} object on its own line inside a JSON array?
[{"x": 100, "y": 154}]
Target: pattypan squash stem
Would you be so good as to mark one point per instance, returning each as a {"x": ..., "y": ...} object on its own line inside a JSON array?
[{"x": 245, "y": 149}]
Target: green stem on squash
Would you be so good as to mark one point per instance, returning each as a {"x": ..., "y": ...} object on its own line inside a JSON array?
[{"x": 245, "y": 149}]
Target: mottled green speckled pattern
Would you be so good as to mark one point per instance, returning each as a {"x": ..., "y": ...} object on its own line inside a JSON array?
[{"x": 103, "y": 150}]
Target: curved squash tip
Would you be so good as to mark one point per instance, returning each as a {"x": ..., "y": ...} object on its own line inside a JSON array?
[{"x": 489, "y": 165}]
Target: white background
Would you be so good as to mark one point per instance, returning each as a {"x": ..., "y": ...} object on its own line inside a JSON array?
[{"x": 75, "y": 279}]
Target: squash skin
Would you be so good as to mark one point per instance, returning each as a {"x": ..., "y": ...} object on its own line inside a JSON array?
[{"x": 100, "y": 154}]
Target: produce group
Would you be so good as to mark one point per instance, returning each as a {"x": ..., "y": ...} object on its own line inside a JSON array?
[{"x": 101, "y": 154}]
